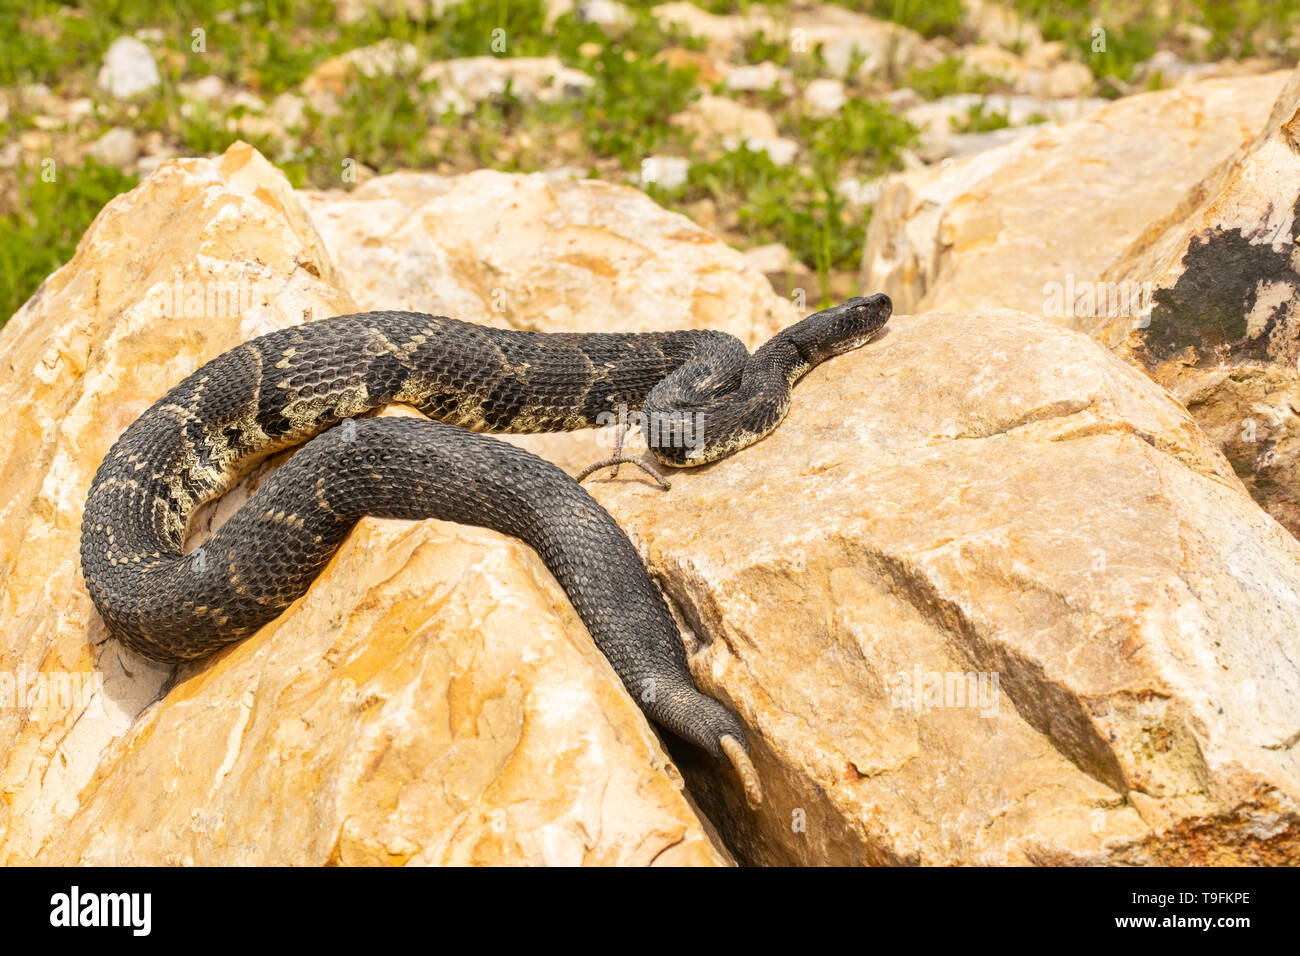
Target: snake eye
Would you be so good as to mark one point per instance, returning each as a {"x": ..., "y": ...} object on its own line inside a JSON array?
[{"x": 877, "y": 307}]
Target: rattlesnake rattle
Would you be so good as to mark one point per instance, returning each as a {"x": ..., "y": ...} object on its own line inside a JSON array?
[{"x": 705, "y": 395}]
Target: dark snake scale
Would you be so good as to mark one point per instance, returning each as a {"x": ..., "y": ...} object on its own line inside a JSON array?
[{"x": 701, "y": 394}]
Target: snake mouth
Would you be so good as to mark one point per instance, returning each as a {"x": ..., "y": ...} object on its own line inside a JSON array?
[
  {"x": 857, "y": 343},
  {"x": 860, "y": 340}
]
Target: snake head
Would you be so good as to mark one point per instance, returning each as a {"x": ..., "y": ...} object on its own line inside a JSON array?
[{"x": 842, "y": 328}]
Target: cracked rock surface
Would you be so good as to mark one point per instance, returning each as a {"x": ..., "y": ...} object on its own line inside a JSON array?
[{"x": 988, "y": 595}]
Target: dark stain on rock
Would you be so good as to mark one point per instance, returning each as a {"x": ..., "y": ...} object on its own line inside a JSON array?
[{"x": 1206, "y": 309}]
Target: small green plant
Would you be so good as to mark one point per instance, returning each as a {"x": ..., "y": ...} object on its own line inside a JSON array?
[
  {"x": 980, "y": 119},
  {"x": 930, "y": 18},
  {"x": 722, "y": 7},
  {"x": 864, "y": 138},
  {"x": 800, "y": 205},
  {"x": 1241, "y": 28},
  {"x": 949, "y": 77},
  {"x": 384, "y": 139},
  {"x": 1111, "y": 39},
  {"x": 779, "y": 204},
  {"x": 760, "y": 47},
  {"x": 626, "y": 114}
]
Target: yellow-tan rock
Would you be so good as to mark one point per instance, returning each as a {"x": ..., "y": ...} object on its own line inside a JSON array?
[
  {"x": 1163, "y": 225},
  {"x": 987, "y": 596},
  {"x": 433, "y": 699},
  {"x": 533, "y": 253},
  {"x": 1003, "y": 228},
  {"x": 1222, "y": 331}
]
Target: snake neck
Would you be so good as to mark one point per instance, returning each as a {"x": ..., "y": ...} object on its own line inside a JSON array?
[
  {"x": 727, "y": 399},
  {"x": 689, "y": 421}
]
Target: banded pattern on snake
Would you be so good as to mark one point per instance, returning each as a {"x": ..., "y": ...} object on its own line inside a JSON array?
[{"x": 706, "y": 395}]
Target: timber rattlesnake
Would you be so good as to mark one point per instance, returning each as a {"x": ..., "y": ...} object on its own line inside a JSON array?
[{"x": 704, "y": 393}]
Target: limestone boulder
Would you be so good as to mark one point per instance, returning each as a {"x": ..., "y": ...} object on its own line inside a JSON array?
[
  {"x": 385, "y": 58},
  {"x": 710, "y": 119},
  {"x": 128, "y": 69},
  {"x": 465, "y": 82},
  {"x": 989, "y": 596},
  {"x": 536, "y": 253},
  {"x": 1007, "y": 226},
  {"x": 434, "y": 698},
  {"x": 1222, "y": 331}
]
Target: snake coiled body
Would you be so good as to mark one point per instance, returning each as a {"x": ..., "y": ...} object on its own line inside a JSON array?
[{"x": 298, "y": 384}]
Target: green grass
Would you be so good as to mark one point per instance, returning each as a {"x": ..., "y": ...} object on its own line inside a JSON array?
[
  {"x": 385, "y": 140},
  {"x": 623, "y": 116},
  {"x": 38, "y": 238},
  {"x": 270, "y": 46},
  {"x": 1236, "y": 25},
  {"x": 622, "y": 120},
  {"x": 948, "y": 77},
  {"x": 1136, "y": 29},
  {"x": 865, "y": 138},
  {"x": 797, "y": 205},
  {"x": 275, "y": 45},
  {"x": 626, "y": 116},
  {"x": 930, "y": 18},
  {"x": 760, "y": 47},
  {"x": 1131, "y": 31},
  {"x": 779, "y": 204},
  {"x": 722, "y": 7}
]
